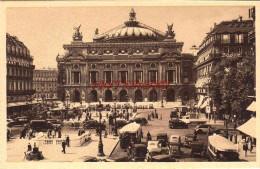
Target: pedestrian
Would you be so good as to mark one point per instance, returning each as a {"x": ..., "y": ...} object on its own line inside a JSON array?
[
  {"x": 231, "y": 137},
  {"x": 142, "y": 134},
  {"x": 53, "y": 134},
  {"x": 29, "y": 147},
  {"x": 148, "y": 137},
  {"x": 251, "y": 145},
  {"x": 59, "y": 133},
  {"x": 63, "y": 144},
  {"x": 235, "y": 138},
  {"x": 245, "y": 148},
  {"x": 79, "y": 132},
  {"x": 152, "y": 115},
  {"x": 161, "y": 116},
  {"x": 68, "y": 140},
  {"x": 8, "y": 134},
  {"x": 105, "y": 135}
]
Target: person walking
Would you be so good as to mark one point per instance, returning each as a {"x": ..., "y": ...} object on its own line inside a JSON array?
[
  {"x": 63, "y": 144},
  {"x": 29, "y": 147},
  {"x": 59, "y": 133},
  {"x": 235, "y": 138},
  {"x": 245, "y": 148},
  {"x": 53, "y": 134},
  {"x": 148, "y": 137},
  {"x": 68, "y": 140},
  {"x": 142, "y": 134}
]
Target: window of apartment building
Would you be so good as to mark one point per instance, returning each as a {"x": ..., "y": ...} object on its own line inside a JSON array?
[
  {"x": 138, "y": 76},
  {"x": 108, "y": 76},
  {"x": 171, "y": 76},
  {"x": 225, "y": 38},
  {"x": 152, "y": 75},
  {"x": 123, "y": 76},
  {"x": 239, "y": 38},
  {"x": 239, "y": 50},
  {"x": 226, "y": 49}
]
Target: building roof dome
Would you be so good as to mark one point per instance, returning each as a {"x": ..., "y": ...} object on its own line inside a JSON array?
[{"x": 129, "y": 31}]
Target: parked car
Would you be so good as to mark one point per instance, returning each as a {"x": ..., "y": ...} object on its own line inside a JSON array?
[
  {"x": 90, "y": 124},
  {"x": 197, "y": 148},
  {"x": 175, "y": 145},
  {"x": 40, "y": 125},
  {"x": 141, "y": 120},
  {"x": 231, "y": 131},
  {"x": 137, "y": 152},
  {"x": 161, "y": 158},
  {"x": 19, "y": 121},
  {"x": 121, "y": 123},
  {"x": 56, "y": 123},
  {"x": 154, "y": 146},
  {"x": 121, "y": 158},
  {"x": 163, "y": 139},
  {"x": 90, "y": 159},
  {"x": 177, "y": 124},
  {"x": 203, "y": 128},
  {"x": 189, "y": 138}
]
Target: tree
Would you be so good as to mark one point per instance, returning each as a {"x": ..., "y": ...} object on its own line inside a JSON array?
[{"x": 232, "y": 81}]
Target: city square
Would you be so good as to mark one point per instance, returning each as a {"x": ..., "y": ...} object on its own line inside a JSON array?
[{"x": 134, "y": 93}]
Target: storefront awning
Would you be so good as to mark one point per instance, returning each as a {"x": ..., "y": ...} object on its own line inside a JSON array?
[
  {"x": 252, "y": 107},
  {"x": 205, "y": 103},
  {"x": 200, "y": 100},
  {"x": 201, "y": 82},
  {"x": 249, "y": 127}
]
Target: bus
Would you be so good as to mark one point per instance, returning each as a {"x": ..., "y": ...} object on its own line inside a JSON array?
[
  {"x": 221, "y": 149},
  {"x": 130, "y": 132}
]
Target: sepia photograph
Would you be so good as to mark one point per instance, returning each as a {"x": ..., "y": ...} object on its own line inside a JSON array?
[{"x": 131, "y": 84}]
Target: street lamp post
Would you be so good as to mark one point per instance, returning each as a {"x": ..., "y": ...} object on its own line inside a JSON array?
[
  {"x": 115, "y": 115},
  {"x": 100, "y": 144},
  {"x": 162, "y": 97}
]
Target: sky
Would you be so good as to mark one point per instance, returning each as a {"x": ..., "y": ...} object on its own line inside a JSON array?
[{"x": 44, "y": 30}]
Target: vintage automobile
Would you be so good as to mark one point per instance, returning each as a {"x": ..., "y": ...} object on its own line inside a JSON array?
[
  {"x": 154, "y": 146},
  {"x": 93, "y": 124},
  {"x": 189, "y": 138},
  {"x": 121, "y": 123},
  {"x": 231, "y": 131},
  {"x": 34, "y": 155},
  {"x": 203, "y": 128},
  {"x": 175, "y": 145},
  {"x": 41, "y": 125},
  {"x": 197, "y": 148},
  {"x": 141, "y": 120},
  {"x": 163, "y": 139},
  {"x": 56, "y": 123},
  {"x": 177, "y": 124},
  {"x": 90, "y": 159},
  {"x": 121, "y": 158},
  {"x": 161, "y": 158},
  {"x": 130, "y": 133},
  {"x": 137, "y": 152},
  {"x": 19, "y": 121}
]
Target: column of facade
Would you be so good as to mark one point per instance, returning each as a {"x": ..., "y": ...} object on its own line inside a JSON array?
[
  {"x": 87, "y": 74},
  {"x": 179, "y": 66}
]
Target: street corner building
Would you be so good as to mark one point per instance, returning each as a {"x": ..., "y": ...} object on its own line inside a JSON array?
[
  {"x": 20, "y": 69},
  {"x": 131, "y": 62},
  {"x": 234, "y": 38}
]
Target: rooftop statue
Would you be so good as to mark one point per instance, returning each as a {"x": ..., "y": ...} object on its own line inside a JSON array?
[
  {"x": 132, "y": 15},
  {"x": 77, "y": 36},
  {"x": 170, "y": 33},
  {"x": 96, "y": 32}
]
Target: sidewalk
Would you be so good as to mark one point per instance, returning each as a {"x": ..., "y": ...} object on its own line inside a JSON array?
[{"x": 17, "y": 147}]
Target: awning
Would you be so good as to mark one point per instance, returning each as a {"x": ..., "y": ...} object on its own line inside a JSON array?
[
  {"x": 249, "y": 127},
  {"x": 202, "y": 81},
  {"x": 205, "y": 103},
  {"x": 200, "y": 100},
  {"x": 252, "y": 107}
]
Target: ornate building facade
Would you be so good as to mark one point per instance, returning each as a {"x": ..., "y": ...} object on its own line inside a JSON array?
[
  {"x": 45, "y": 83},
  {"x": 20, "y": 68},
  {"x": 132, "y": 62}
]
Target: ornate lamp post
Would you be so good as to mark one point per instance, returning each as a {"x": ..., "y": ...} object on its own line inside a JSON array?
[
  {"x": 67, "y": 106},
  {"x": 115, "y": 115},
  {"x": 100, "y": 144}
]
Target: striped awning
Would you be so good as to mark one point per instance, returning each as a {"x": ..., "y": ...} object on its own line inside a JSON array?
[{"x": 202, "y": 81}]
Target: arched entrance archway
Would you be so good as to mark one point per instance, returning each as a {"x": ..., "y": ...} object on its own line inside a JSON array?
[
  {"x": 76, "y": 96},
  {"x": 93, "y": 96},
  {"x": 138, "y": 96},
  {"x": 123, "y": 95},
  {"x": 108, "y": 96},
  {"x": 153, "y": 96},
  {"x": 170, "y": 95}
]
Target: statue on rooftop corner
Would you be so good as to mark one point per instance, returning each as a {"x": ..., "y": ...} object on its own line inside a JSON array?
[
  {"x": 170, "y": 33},
  {"x": 77, "y": 36},
  {"x": 132, "y": 15},
  {"x": 96, "y": 32}
]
